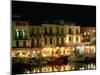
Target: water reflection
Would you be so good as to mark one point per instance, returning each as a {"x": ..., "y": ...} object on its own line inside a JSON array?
[{"x": 69, "y": 67}]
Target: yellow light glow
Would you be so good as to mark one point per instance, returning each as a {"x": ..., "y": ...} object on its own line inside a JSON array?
[
  {"x": 34, "y": 70},
  {"x": 84, "y": 33},
  {"x": 28, "y": 72},
  {"x": 88, "y": 33},
  {"x": 12, "y": 54},
  {"x": 21, "y": 54},
  {"x": 34, "y": 52},
  {"x": 87, "y": 47},
  {"x": 57, "y": 47},
  {"x": 62, "y": 50},
  {"x": 47, "y": 51},
  {"x": 38, "y": 51},
  {"x": 79, "y": 40},
  {"x": 89, "y": 66},
  {"x": 93, "y": 30},
  {"x": 38, "y": 70},
  {"x": 74, "y": 39},
  {"x": 55, "y": 69},
  {"x": 28, "y": 53},
  {"x": 50, "y": 69},
  {"x": 62, "y": 68},
  {"x": 73, "y": 68},
  {"x": 67, "y": 39}
]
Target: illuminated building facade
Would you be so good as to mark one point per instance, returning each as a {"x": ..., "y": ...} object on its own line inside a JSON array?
[
  {"x": 45, "y": 40},
  {"x": 20, "y": 38},
  {"x": 20, "y": 34},
  {"x": 88, "y": 39},
  {"x": 88, "y": 34}
]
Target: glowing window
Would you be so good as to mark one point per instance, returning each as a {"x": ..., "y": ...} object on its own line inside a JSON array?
[
  {"x": 70, "y": 39},
  {"x": 17, "y": 33},
  {"x": 88, "y": 33},
  {"x": 77, "y": 31},
  {"x": 93, "y": 30},
  {"x": 84, "y": 33},
  {"x": 77, "y": 38},
  {"x": 23, "y": 32}
]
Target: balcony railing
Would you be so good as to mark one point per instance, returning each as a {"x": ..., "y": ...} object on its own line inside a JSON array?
[
  {"x": 60, "y": 34},
  {"x": 36, "y": 35},
  {"x": 49, "y": 34},
  {"x": 54, "y": 34},
  {"x": 77, "y": 33},
  {"x": 62, "y": 44},
  {"x": 70, "y": 33},
  {"x": 35, "y": 46},
  {"x": 21, "y": 38}
]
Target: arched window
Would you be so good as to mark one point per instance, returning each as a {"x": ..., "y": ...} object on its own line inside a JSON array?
[
  {"x": 17, "y": 43},
  {"x": 24, "y": 43},
  {"x": 37, "y": 42},
  {"x": 62, "y": 40},
  {"x": 45, "y": 30},
  {"x": 70, "y": 39},
  {"x": 69, "y": 30},
  {"x": 57, "y": 30},
  {"x": 77, "y": 31},
  {"x": 62, "y": 30},
  {"x": 20, "y": 34},
  {"x": 17, "y": 33},
  {"x": 77, "y": 38},
  {"x": 32, "y": 32},
  {"x": 50, "y": 30},
  {"x": 57, "y": 40},
  {"x": 45, "y": 40},
  {"x": 23, "y": 33},
  {"x": 37, "y": 30},
  {"x": 50, "y": 40},
  {"x": 32, "y": 43}
]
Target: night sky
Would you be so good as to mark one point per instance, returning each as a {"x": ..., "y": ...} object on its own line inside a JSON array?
[{"x": 37, "y": 13}]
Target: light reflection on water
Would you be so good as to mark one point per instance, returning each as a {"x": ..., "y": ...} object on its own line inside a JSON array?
[{"x": 71, "y": 66}]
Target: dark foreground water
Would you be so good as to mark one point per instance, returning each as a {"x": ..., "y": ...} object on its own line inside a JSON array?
[{"x": 70, "y": 66}]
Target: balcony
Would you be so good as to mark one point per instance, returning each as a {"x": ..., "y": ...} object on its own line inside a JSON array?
[
  {"x": 60, "y": 34},
  {"x": 78, "y": 33},
  {"x": 49, "y": 34},
  {"x": 71, "y": 33},
  {"x": 63, "y": 44},
  {"x": 21, "y": 38},
  {"x": 36, "y": 35},
  {"x": 36, "y": 46}
]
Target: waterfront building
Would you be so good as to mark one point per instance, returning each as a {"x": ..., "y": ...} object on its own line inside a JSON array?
[
  {"x": 88, "y": 39},
  {"x": 48, "y": 40}
]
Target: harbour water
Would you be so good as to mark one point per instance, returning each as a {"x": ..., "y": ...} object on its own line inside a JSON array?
[{"x": 71, "y": 66}]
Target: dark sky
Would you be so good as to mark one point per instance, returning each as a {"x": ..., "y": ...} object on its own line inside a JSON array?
[{"x": 37, "y": 13}]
